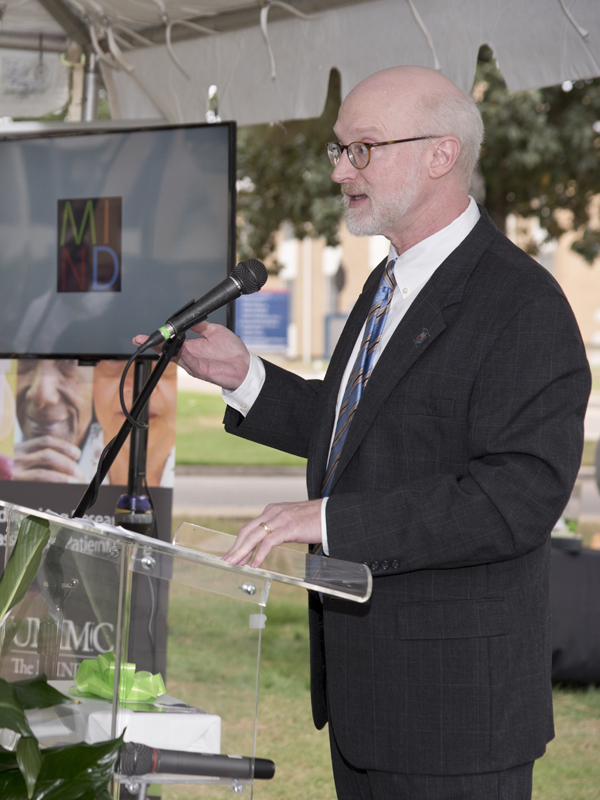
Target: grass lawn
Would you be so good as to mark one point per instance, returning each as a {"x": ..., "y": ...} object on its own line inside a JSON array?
[
  {"x": 570, "y": 770},
  {"x": 589, "y": 451},
  {"x": 201, "y": 438}
]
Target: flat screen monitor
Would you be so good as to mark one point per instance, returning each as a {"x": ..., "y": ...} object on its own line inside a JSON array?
[{"x": 106, "y": 233}]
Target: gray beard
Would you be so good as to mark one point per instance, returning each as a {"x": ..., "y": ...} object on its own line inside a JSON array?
[{"x": 384, "y": 213}]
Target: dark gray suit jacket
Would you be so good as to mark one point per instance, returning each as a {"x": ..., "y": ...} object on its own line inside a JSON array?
[{"x": 460, "y": 458}]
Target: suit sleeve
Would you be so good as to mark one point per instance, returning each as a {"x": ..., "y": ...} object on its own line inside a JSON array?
[
  {"x": 525, "y": 438},
  {"x": 283, "y": 413}
]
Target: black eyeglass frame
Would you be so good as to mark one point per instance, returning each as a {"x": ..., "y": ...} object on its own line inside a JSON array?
[{"x": 369, "y": 145}]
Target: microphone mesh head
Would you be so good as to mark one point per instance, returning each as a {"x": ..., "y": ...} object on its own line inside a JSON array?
[
  {"x": 135, "y": 759},
  {"x": 251, "y": 274}
]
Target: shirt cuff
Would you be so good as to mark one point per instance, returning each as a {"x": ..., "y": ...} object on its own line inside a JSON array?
[
  {"x": 324, "y": 526},
  {"x": 242, "y": 399}
]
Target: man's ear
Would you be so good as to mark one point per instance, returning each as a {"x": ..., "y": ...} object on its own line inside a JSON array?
[{"x": 443, "y": 156}]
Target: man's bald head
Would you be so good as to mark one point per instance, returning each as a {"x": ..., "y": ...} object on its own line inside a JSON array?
[{"x": 430, "y": 101}]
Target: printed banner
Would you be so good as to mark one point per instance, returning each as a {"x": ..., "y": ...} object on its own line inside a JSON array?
[
  {"x": 82, "y": 635},
  {"x": 57, "y": 416}
]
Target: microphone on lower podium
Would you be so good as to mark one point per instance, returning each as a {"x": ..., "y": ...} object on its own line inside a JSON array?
[{"x": 140, "y": 759}]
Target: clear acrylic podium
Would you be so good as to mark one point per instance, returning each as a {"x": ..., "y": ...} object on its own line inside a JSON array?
[{"x": 205, "y": 614}]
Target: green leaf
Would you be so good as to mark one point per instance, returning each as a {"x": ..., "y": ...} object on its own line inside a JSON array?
[
  {"x": 36, "y": 693},
  {"x": 23, "y": 563},
  {"x": 11, "y": 710},
  {"x": 8, "y": 760},
  {"x": 67, "y": 789},
  {"x": 86, "y": 766},
  {"x": 71, "y": 772},
  {"x": 29, "y": 760},
  {"x": 12, "y": 786}
]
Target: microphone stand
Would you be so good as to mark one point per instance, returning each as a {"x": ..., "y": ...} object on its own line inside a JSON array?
[
  {"x": 135, "y": 512},
  {"x": 170, "y": 349},
  {"x": 134, "y": 509}
]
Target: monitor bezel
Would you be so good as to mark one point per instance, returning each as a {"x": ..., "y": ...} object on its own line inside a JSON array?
[{"x": 44, "y": 130}]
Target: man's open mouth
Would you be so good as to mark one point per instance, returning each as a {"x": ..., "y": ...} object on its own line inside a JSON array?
[{"x": 353, "y": 198}]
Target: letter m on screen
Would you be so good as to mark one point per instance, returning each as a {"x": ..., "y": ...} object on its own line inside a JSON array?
[{"x": 89, "y": 245}]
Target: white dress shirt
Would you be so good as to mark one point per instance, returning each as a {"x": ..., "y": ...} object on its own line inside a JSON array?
[{"x": 412, "y": 270}]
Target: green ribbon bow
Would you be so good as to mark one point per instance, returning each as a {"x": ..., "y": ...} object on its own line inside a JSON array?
[{"x": 96, "y": 678}]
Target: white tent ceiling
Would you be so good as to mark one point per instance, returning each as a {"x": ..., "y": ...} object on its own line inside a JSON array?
[{"x": 271, "y": 61}]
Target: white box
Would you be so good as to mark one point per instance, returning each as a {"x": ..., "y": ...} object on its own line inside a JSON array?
[{"x": 89, "y": 720}]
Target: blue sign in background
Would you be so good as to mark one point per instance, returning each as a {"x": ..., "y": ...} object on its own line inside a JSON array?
[{"x": 261, "y": 320}]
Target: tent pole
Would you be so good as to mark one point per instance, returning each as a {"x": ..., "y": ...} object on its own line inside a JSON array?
[{"x": 90, "y": 88}]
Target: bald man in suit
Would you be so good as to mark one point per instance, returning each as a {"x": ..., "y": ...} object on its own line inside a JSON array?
[{"x": 445, "y": 477}]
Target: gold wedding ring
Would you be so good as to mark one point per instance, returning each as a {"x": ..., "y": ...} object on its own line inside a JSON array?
[{"x": 265, "y": 526}]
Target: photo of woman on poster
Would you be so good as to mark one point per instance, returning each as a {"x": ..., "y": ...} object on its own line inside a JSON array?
[{"x": 161, "y": 434}]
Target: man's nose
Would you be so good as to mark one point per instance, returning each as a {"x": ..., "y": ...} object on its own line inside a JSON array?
[
  {"x": 344, "y": 172},
  {"x": 44, "y": 387}
]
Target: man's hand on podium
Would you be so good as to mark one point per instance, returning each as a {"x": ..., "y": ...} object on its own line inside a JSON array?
[{"x": 279, "y": 523}]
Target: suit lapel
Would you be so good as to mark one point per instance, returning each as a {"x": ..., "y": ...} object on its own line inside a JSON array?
[
  {"x": 419, "y": 328},
  {"x": 323, "y": 428}
]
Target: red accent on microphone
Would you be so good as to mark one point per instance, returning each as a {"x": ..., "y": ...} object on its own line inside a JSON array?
[{"x": 155, "y": 761}]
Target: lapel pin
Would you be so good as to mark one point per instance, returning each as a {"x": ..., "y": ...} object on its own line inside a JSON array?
[{"x": 422, "y": 336}]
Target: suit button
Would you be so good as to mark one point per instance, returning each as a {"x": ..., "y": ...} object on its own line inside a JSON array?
[
  {"x": 395, "y": 564},
  {"x": 384, "y": 565},
  {"x": 374, "y": 566}
]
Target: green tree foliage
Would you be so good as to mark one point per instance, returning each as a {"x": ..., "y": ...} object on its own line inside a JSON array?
[
  {"x": 285, "y": 175},
  {"x": 541, "y": 154}
]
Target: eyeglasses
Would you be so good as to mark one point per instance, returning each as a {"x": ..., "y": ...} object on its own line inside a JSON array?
[{"x": 359, "y": 153}]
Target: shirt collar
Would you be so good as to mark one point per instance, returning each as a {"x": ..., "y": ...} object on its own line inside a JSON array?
[{"x": 415, "y": 266}]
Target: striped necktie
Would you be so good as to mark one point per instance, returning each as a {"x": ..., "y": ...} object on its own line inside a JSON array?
[{"x": 361, "y": 372}]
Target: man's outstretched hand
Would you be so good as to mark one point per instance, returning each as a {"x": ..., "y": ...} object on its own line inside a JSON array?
[{"x": 218, "y": 356}]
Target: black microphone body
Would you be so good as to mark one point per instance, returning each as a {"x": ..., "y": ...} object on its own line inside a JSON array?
[
  {"x": 140, "y": 759},
  {"x": 246, "y": 278}
]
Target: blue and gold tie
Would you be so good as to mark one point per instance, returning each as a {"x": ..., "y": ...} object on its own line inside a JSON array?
[{"x": 361, "y": 372}]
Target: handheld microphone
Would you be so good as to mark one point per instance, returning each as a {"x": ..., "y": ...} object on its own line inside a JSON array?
[
  {"x": 246, "y": 278},
  {"x": 140, "y": 759}
]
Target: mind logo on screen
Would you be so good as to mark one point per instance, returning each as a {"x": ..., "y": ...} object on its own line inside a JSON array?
[{"x": 89, "y": 245}]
